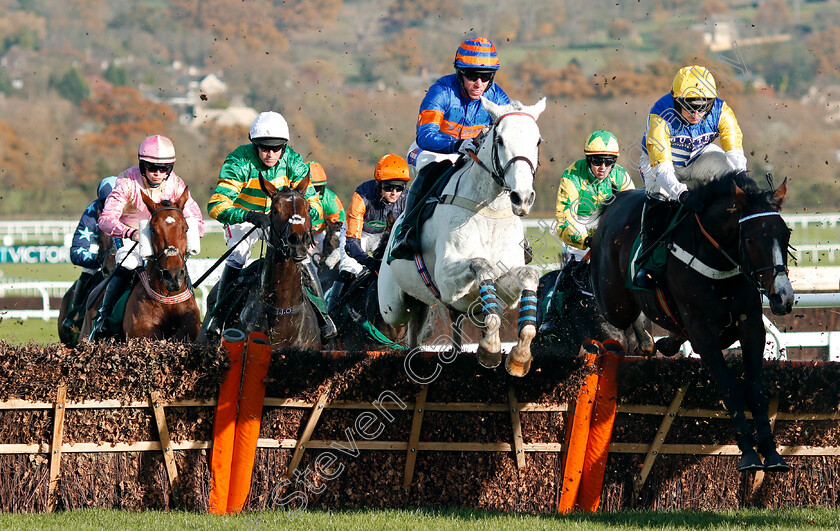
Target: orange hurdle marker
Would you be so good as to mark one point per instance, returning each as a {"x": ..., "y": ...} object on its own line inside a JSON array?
[
  {"x": 257, "y": 359},
  {"x": 578, "y": 431},
  {"x": 224, "y": 425},
  {"x": 601, "y": 427}
]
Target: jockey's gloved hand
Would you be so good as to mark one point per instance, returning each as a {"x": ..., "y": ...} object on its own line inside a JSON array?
[
  {"x": 467, "y": 144},
  {"x": 371, "y": 263},
  {"x": 587, "y": 241},
  {"x": 261, "y": 220},
  {"x": 691, "y": 201}
]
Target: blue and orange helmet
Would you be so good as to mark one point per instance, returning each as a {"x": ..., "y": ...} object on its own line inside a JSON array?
[{"x": 476, "y": 54}]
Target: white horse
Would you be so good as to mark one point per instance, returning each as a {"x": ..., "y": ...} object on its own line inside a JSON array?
[{"x": 472, "y": 246}]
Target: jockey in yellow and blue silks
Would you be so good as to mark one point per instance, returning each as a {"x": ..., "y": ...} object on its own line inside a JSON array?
[
  {"x": 451, "y": 116},
  {"x": 678, "y": 152},
  {"x": 583, "y": 188},
  {"x": 240, "y": 204}
]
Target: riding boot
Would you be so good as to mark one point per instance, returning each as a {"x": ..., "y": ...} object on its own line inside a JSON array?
[
  {"x": 551, "y": 323},
  {"x": 406, "y": 240},
  {"x": 226, "y": 281},
  {"x": 654, "y": 222},
  {"x": 337, "y": 290},
  {"x": 79, "y": 291},
  {"x": 113, "y": 291},
  {"x": 310, "y": 277}
]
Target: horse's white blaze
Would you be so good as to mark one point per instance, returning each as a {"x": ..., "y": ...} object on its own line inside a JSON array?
[
  {"x": 781, "y": 283},
  {"x": 169, "y": 219}
]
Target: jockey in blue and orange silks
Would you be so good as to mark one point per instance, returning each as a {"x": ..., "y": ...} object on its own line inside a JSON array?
[
  {"x": 678, "y": 153},
  {"x": 451, "y": 116},
  {"x": 367, "y": 220}
]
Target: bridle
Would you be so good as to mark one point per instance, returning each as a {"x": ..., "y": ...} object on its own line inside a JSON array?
[
  {"x": 169, "y": 250},
  {"x": 279, "y": 236},
  {"x": 498, "y": 171},
  {"x": 744, "y": 265}
]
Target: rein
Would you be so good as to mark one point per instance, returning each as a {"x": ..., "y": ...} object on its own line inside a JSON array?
[
  {"x": 498, "y": 171},
  {"x": 747, "y": 270}
]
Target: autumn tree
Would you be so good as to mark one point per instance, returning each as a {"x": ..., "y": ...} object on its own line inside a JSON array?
[
  {"x": 825, "y": 46},
  {"x": 422, "y": 12},
  {"x": 71, "y": 85}
]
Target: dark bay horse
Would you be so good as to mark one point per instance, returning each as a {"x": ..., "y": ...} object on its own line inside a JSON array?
[
  {"x": 162, "y": 304},
  {"x": 105, "y": 258},
  {"x": 719, "y": 264},
  {"x": 359, "y": 321},
  {"x": 273, "y": 299}
]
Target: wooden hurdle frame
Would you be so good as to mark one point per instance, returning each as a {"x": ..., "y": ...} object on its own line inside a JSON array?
[{"x": 56, "y": 447}]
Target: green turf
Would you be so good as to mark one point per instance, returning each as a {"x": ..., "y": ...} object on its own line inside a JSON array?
[{"x": 431, "y": 519}]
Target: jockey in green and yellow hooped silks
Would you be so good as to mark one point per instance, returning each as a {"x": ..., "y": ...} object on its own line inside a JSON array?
[
  {"x": 678, "y": 152},
  {"x": 451, "y": 116},
  {"x": 240, "y": 204},
  {"x": 583, "y": 187}
]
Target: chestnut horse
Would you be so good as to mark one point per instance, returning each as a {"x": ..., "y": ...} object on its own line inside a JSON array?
[
  {"x": 162, "y": 304},
  {"x": 719, "y": 264}
]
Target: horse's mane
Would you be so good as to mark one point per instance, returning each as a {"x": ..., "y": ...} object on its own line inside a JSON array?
[{"x": 722, "y": 188}]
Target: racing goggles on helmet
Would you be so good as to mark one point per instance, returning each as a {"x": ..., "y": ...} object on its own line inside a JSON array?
[
  {"x": 474, "y": 75},
  {"x": 271, "y": 146},
  {"x": 695, "y": 105},
  {"x": 597, "y": 160},
  {"x": 147, "y": 166}
]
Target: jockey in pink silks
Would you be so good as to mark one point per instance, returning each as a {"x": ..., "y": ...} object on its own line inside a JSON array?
[{"x": 124, "y": 210}]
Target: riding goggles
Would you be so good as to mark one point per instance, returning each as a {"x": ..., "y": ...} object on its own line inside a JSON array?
[
  {"x": 598, "y": 160},
  {"x": 156, "y": 168},
  {"x": 474, "y": 76},
  {"x": 273, "y": 149},
  {"x": 393, "y": 187},
  {"x": 695, "y": 105}
]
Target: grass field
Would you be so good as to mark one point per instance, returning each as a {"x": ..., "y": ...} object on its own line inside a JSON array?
[{"x": 757, "y": 519}]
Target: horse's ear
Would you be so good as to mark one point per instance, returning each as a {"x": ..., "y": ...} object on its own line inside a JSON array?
[
  {"x": 267, "y": 188},
  {"x": 390, "y": 219},
  {"x": 303, "y": 185},
  {"x": 151, "y": 205},
  {"x": 740, "y": 197},
  {"x": 182, "y": 200},
  {"x": 537, "y": 109},
  {"x": 779, "y": 194},
  {"x": 495, "y": 111}
]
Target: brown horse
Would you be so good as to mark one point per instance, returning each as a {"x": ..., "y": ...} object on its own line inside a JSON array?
[
  {"x": 162, "y": 304},
  {"x": 105, "y": 258},
  {"x": 273, "y": 300},
  {"x": 719, "y": 264}
]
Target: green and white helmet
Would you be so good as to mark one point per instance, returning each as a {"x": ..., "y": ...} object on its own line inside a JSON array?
[{"x": 601, "y": 143}]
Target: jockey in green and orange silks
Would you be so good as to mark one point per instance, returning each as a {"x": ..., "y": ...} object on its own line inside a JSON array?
[{"x": 240, "y": 204}]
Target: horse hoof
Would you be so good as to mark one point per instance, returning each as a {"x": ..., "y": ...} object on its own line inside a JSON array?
[
  {"x": 489, "y": 360},
  {"x": 517, "y": 368},
  {"x": 666, "y": 347},
  {"x": 749, "y": 462},
  {"x": 775, "y": 463}
]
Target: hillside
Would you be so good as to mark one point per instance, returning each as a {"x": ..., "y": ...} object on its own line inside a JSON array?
[{"x": 83, "y": 82}]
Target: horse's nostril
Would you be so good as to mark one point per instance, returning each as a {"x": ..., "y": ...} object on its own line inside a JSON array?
[{"x": 515, "y": 199}]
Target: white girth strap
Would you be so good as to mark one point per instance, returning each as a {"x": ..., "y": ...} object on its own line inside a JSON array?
[{"x": 691, "y": 261}]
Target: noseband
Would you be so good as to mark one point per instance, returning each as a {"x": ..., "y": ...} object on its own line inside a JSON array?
[
  {"x": 498, "y": 171},
  {"x": 749, "y": 269},
  {"x": 279, "y": 238},
  {"x": 745, "y": 265}
]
